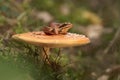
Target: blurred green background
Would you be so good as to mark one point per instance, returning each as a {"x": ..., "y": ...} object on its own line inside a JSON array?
[{"x": 97, "y": 19}]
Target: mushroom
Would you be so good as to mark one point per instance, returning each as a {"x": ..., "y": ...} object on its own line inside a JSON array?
[
  {"x": 52, "y": 41},
  {"x": 46, "y": 41}
]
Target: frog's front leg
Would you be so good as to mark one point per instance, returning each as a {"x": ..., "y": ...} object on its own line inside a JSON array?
[{"x": 56, "y": 30}]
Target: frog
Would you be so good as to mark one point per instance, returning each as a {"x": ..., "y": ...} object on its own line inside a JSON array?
[{"x": 57, "y": 28}]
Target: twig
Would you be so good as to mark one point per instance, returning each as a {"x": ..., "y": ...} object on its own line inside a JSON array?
[
  {"x": 58, "y": 55},
  {"x": 113, "y": 43}
]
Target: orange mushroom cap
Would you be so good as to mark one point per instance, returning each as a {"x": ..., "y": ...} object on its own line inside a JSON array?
[{"x": 52, "y": 41}]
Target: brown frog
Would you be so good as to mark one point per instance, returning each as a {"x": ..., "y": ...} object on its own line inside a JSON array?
[{"x": 57, "y": 28}]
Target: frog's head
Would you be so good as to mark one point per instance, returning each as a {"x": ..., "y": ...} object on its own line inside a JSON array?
[
  {"x": 66, "y": 25},
  {"x": 63, "y": 28}
]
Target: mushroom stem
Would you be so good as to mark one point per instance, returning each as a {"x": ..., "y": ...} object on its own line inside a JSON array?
[{"x": 45, "y": 54}]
